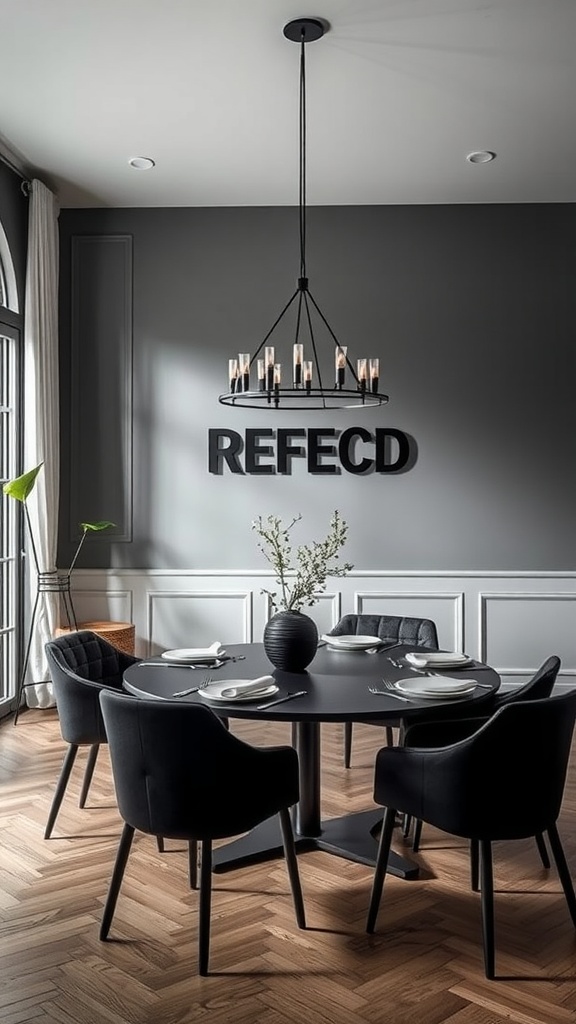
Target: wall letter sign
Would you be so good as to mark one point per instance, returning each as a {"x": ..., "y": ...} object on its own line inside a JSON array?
[{"x": 327, "y": 451}]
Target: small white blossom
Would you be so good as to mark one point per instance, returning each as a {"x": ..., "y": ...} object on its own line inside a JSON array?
[{"x": 302, "y": 580}]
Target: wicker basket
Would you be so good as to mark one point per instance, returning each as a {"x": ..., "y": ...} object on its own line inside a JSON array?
[{"x": 121, "y": 635}]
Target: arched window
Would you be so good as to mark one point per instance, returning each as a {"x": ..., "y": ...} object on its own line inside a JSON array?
[
  {"x": 10, "y": 433},
  {"x": 8, "y": 290}
]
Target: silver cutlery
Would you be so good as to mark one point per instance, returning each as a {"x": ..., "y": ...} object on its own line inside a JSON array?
[
  {"x": 162, "y": 664},
  {"x": 388, "y": 692},
  {"x": 218, "y": 662},
  {"x": 193, "y": 689},
  {"x": 280, "y": 700},
  {"x": 197, "y": 665}
]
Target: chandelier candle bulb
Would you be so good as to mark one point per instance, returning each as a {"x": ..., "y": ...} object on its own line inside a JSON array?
[
  {"x": 340, "y": 365},
  {"x": 244, "y": 370},
  {"x": 233, "y": 374},
  {"x": 374, "y": 375},
  {"x": 298, "y": 358},
  {"x": 269, "y": 357},
  {"x": 308, "y": 374},
  {"x": 362, "y": 365},
  {"x": 261, "y": 376}
]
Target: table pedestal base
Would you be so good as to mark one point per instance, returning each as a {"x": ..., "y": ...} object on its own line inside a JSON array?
[{"x": 350, "y": 837}]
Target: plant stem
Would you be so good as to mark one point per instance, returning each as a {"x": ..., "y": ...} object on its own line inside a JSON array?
[
  {"x": 31, "y": 535},
  {"x": 77, "y": 552}
]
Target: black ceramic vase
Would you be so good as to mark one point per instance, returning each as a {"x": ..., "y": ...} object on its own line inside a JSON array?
[{"x": 290, "y": 641}]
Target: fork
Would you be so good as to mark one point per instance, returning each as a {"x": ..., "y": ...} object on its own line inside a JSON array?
[
  {"x": 194, "y": 689},
  {"x": 395, "y": 663},
  {"x": 388, "y": 692}
]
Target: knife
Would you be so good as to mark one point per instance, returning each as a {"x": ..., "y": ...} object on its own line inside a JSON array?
[{"x": 280, "y": 700}]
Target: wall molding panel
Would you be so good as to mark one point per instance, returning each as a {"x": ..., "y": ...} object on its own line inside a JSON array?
[
  {"x": 101, "y": 418},
  {"x": 92, "y": 605},
  {"x": 444, "y": 608},
  {"x": 511, "y": 620},
  {"x": 186, "y": 618},
  {"x": 503, "y": 615}
]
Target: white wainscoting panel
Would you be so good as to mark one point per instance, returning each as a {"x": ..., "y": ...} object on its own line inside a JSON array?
[
  {"x": 545, "y": 621},
  {"x": 197, "y": 619},
  {"x": 445, "y": 609},
  {"x": 511, "y": 620},
  {"x": 93, "y": 605}
]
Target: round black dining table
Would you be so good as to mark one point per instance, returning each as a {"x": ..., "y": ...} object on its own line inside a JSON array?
[{"x": 336, "y": 687}]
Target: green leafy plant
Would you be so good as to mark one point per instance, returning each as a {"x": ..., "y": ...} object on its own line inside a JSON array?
[
  {"x": 103, "y": 524},
  {"x": 19, "y": 489},
  {"x": 22, "y": 486},
  {"x": 300, "y": 575}
]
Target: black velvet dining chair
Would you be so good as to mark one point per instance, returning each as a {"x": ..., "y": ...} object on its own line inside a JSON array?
[
  {"x": 391, "y": 629},
  {"x": 505, "y": 781},
  {"x": 81, "y": 664},
  {"x": 180, "y": 773},
  {"x": 431, "y": 732}
]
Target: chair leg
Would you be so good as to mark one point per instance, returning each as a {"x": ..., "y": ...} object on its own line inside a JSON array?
[
  {"x": 116, "y": 880},
  {"x": 347, "y": 744},
  {"x": 474, "y": 865},
  {"x": 563, "y": 870},
  {"x": 406, "y": 825},
  {"x": 160, "y": 843},
  {"x": 61, "y": 787},
  {"x": 193, "y": 863},
  {"x": 204, "y": 909},
  {"x": 292, "y": 865},
  {"x": 417, "y": 835},
  {"x": 88, "y": 773},
  {"x": 487, "y": 901},
  {"x": 389, "y": 736},
  {"x": 541, "y": 844},
  {"x": 381, "y": 865}
]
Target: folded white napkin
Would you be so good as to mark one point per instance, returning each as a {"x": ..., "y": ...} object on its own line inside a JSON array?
[
  {"x": 440, "y": 658},
  {"x": 215, "y": 648},
  {"x": 250, "y": 686}
]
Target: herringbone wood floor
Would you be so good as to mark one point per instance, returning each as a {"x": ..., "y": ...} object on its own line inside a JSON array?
[{"x": 424, "y": 963}]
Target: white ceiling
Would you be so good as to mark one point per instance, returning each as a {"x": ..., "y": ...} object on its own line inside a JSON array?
[{"x": 399, "y": 91}]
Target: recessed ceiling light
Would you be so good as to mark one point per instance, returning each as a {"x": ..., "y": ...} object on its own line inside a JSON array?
[
  {"x": 141, "y": 163},
  {"x": 483, "y": 156}
]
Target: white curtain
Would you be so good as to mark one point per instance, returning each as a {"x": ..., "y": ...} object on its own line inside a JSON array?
[{"x": 41, "y": 423}]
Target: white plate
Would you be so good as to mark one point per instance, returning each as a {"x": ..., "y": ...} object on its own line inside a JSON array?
[
  {"x": 438, "y": 659},
  {"x": 353, "y": 642},
  {"x": 190, "y": 654},
  {"x": 214, "y": 691},
  {"x": 437, "y": 688}
]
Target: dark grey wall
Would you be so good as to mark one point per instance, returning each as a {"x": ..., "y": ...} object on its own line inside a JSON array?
[
  {"x": 14, "y": 220},
  {"x": 471, "y": 310}
]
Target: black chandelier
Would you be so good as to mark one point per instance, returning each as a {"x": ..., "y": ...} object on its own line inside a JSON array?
[{"x": 272, "y": 392}]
